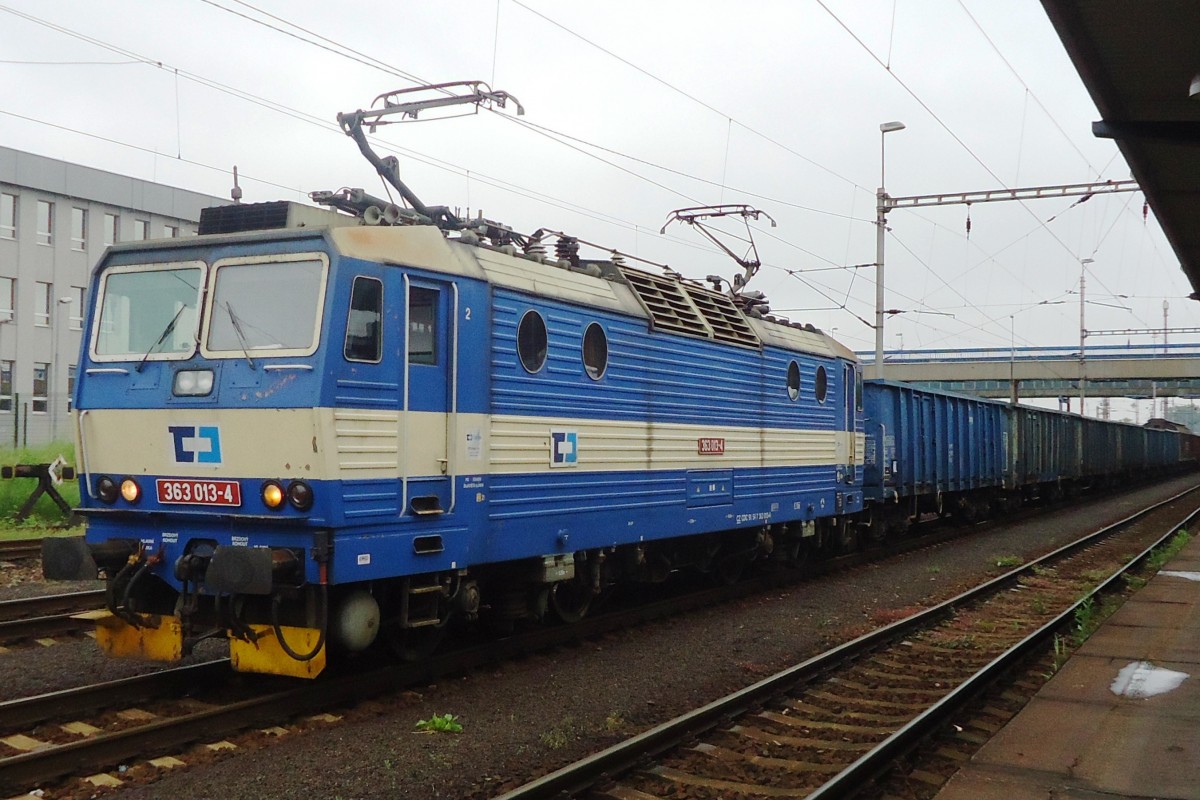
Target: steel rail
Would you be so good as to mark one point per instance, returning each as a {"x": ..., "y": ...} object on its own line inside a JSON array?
[
  {"x": 25, "y": 712},
  {"x": 575, "y": 778},
  {"x": 45, "y": 605},
  {"x": 15, "y": 630},
  {"x": 16, "y": 549}
]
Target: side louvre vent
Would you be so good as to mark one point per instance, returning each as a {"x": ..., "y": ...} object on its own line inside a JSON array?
[
  {"x": 726, "y": 321},
  {"x": 669, "y": 307},
  {"x": 690, "y": 310}
]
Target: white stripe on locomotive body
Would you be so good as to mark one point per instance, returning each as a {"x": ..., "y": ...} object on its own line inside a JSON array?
[{"x": 353, "y": 444}]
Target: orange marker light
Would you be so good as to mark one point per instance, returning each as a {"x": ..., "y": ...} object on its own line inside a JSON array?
[
  {"x": 272, "y": 495},
  {"x": 130, "y": 490}
]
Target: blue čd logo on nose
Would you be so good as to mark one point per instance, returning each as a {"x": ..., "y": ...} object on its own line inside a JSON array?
[
  {"x": 564, "y": 447},
  {"x": 196, "y": 444}
]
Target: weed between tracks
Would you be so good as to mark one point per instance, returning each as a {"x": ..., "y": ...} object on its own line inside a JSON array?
[{"x": 1090, "y": 615}]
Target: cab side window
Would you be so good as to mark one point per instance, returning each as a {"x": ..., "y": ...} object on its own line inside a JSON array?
[
  {"x": 364, "y": 333},
  {"x": 422, "y": 326}
]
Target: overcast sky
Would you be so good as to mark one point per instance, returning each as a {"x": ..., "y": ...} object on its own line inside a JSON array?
[{"x": 635, "y": 108}]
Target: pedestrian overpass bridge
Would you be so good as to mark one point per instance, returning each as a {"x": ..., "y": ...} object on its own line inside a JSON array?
[{"x": 1137, "y": 371}]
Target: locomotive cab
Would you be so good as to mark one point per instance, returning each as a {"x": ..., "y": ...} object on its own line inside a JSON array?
[{"x": 199, "y": 440}]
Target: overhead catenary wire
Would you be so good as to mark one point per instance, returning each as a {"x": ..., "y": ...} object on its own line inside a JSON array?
[
  {"x": 362, "y": 58},
  {"x": 913, "y": 94},
  {"x": 608, "y": 218}
]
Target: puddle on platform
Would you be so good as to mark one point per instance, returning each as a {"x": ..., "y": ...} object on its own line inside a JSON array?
[
  {"x": 1190, "y": 576},
  {"x": 1143, "y": 679}
]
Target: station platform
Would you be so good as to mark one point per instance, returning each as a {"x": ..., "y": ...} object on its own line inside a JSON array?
[{"x": 1120, "y": 719}]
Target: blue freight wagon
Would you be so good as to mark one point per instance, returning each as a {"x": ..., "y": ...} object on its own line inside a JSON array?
[{"x": 930, "y": 451}]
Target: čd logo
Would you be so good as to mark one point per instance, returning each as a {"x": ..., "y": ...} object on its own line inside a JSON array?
[{"x": 196, "y": 444}]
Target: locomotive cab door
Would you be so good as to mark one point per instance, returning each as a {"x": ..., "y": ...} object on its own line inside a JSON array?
[{"x": 430, "y": 365}]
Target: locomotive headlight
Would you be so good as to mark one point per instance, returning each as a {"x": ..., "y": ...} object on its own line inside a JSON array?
[
  {"x": 106, "y": 489},
  {"x": 193, "y": 382},
  {"x": 300, "y": 495},
  {"x": 272, "y": 495},
  {"x": 130, "y": 490}
]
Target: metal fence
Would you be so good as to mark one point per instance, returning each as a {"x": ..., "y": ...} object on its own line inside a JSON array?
[{"x": 35, "y": 421}]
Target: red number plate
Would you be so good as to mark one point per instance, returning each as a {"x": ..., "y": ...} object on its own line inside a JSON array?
[{"x": 201, "y": 493}]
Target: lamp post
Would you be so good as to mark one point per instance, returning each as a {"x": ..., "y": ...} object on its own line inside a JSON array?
[
  {"x": 1012, "y": 358},
  {"x": 55, "y": 399},
  {"x": 1083, "y": 262},
  {"x": 881, "y": 210}
]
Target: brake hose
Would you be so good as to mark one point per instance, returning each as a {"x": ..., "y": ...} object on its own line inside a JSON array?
[{"x": 323, "y": 622}]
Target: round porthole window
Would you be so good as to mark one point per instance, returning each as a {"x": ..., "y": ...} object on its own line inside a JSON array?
[
  {"x": 822, "y": 384},
  {"x": 793, "y": 381},
  {"x": 595, "y": 351},
  {"x": 531, "y": 341}
]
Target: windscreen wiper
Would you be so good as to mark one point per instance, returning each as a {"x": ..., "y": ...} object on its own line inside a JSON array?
[
  {"x": 241, "y": 335},
  {"x": 162, "y": 337}
]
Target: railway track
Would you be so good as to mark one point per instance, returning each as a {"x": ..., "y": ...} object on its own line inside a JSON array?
[
  {"x": 91, "y": 728},
  {"x": 839, "y": 722},
  {"x": 94, "y": 727},
  {"x": 47, "y": 616},
  {"x": 20, "y": 549}
]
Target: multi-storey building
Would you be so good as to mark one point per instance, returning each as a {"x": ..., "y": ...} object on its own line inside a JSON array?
[{"x": 56, "y": 218}]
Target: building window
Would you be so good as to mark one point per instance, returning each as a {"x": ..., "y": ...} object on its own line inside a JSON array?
[
  {"x": 41, "y": 305},
  {"x": 70, "y": 387},
  {"x": 45, "y": 222},
  {"x": 78, "y": 228},
  {"x": 6, "y": 393},
  {"x": 78, "y": 296},
  {"x": 8, "y": 294},
  {"x": 41, "y": 387},
  {"x": 171, "y": 231},
  {"x": 8, "y": 216},
  {"x": 141, "y": 230},
  {"x": 112, "y": 229}
]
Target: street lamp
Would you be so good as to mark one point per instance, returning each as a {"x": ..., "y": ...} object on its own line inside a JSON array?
[
  {"x": 881, "y": 210},
  {"x": 1083, "y": 262},
  {"x": 64, "y": 303}
]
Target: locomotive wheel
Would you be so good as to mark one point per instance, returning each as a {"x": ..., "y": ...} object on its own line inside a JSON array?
[
  {"x": 570, "y": 601},
  {"x": 728, "y": 569},
  {"x": 414, "y": 644},
  {"x": 880, "y": 528}
]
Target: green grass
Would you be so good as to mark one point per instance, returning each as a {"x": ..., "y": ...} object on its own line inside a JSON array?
[
  {"x": 14, "y": 493},
  {"x": 1062, "y": 651},
  {"x": 1166, "y": 552}
]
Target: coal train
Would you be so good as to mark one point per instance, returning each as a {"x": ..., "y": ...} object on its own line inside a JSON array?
[{"x": 306, "y": 431}]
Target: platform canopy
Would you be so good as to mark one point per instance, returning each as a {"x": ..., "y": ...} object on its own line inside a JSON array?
[{"x": 1140, "y": 60}]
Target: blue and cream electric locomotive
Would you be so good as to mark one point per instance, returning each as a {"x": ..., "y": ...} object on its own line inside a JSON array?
[{"x": 304, "y": 430}]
